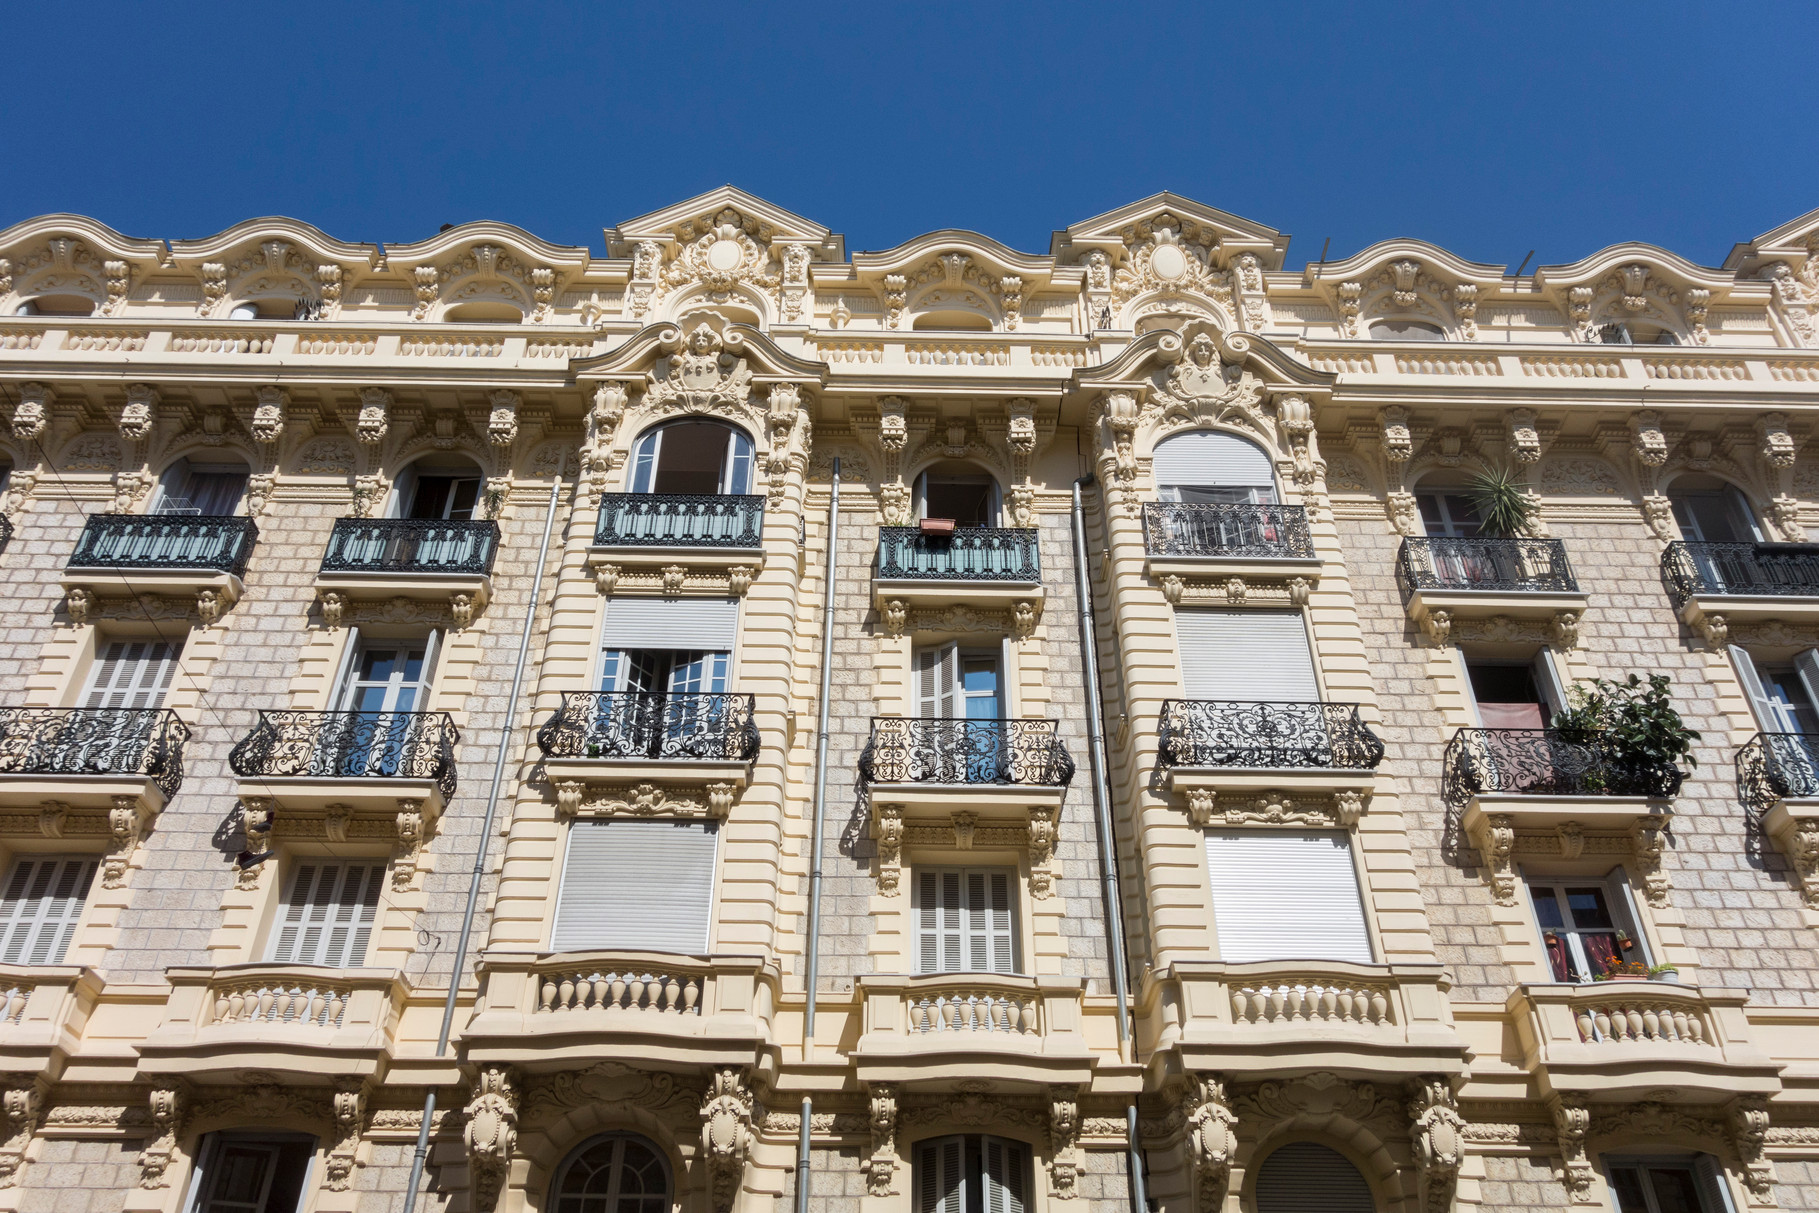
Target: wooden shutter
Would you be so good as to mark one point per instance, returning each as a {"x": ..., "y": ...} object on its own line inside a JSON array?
[
  {"x": 40, "y": 907},
  {"x": 938, "y": 682},
  {"x": 328, "y": 914},
  {"x": 1767, "y": 718},
  {"x": 133, "y": 674},
  {"x": 1717, "y": 1192},
  {"x": 1304, "y": 1176},
  {"x": 1286, "y": 895},
  {"x": 941, "y": 1175},
  {"x": 636, "y": 885},
  {"x": 1004, "y": 1167},
  {"x": 1246, "y": 656},
  {"x": 1210, "y": 459},
  {"x": 690, "y": 624},
  {"x": 966, "y": 921}
]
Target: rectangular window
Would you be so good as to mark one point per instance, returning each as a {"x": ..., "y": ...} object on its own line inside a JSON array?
[
  {"x": 966, "y": 920},
  {"x": 971, "y": 1174},
  {"x": 637, "y": 885},
  {"x": 132, "y": 674},
  {"x": 248, "y": 1173},
  {"x": 40, "y": 907},
  {"x": 328, "y": 914},
  {"x": 1585, "y": 925},
  {"x": 1515, "y": 694},
  {"x": 1246, "y": 656},
  {"x": 1286, "y": 895},
  {"x": 954, "y": 683},
  {"x": 1668, "y": 1184},
  {"x": 677, "y": 624}
]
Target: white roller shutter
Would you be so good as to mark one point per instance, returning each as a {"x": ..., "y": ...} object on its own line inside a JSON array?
[
  {"x": 671, "y": 623},
  {"x": 637, "y": 886},
  {"x": 1305, "y": 1177},
  {"x": 1209, "y": 459},
  {"x": 133, "y": 674},
  {"x": 1286, "y": 895},
  {"x": 41, "y": 906},
  {"x": 328, "y": 914},
  {"x": 965, "y": 921},
  {"x": 1246, "y": 656}
]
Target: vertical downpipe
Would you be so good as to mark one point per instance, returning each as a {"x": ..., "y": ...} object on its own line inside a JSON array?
[
  {"x": 1108, "y": 855},
  {"x": 420, "y": 1155},
  {"x": 814, "y": 845}
]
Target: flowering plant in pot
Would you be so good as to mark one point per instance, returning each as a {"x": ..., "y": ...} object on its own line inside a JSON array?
[
  {"x": 1617, "y": 969},
  {"x": 1664, "y": 973}
]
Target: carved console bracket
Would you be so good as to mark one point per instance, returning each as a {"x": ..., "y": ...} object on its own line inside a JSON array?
[
  {"x": 1340, "y": 809},
  {"x": 577, "y": 798}
]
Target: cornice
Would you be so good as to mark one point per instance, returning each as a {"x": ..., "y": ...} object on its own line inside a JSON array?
[
  {"x": 98, "y": 235},
  {"x": 487, "y": 231},
  {"x": 251, "y": 231},
  {"x": 1431, "y": 256}
]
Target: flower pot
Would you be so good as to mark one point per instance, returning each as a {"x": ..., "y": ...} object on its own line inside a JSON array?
[
  {"x": 939, "y": 527},
  {"x": 1665, "y": 975}
]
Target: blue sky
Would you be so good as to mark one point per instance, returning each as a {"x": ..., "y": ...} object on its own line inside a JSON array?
[{"x": 1487, "y": 129}]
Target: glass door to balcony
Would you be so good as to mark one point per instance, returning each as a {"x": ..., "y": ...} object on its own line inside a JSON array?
[
  {"x": 692, "y": 458},
  {"x": 211, "y": 490},
  {"x": 1712, "y": 516},
  {"x": 1785, "y": 700},
  {"x": 661, "y": 703},
  {"x": 960, "y": 702},
  {"x": 388, "y": 683}
]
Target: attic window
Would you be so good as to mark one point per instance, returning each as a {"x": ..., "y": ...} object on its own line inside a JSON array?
[
  {"x": 57, "y": 305},
  {"x": 265, "y": 309},
  {"x": 953, "y": 321},
  {"x": 1620, "y": 333},
  {"x": 1406, "y": 330},
  {"x": 484, "y": 313}
]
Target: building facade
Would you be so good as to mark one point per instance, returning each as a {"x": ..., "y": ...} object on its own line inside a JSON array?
[{"x": 628, "y": 723}]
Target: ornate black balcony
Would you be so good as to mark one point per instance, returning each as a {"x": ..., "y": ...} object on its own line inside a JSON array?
[
  {"x": 1234, "y": 529},
  {"x": 1547, "y": 762},
  {"x": 1775, "y": 767},
  {"x": 351, "y": 745},
  {"x": 94, "y": 741},
  {"x": 941, "y": 750},
  {"x": 1216, "y": 733},
  {"x": 651, "y": 724},
  {"x": 220, "y": 543},
  {"x": 680, "y": 520},
  {"x": 1510, "y": 566},
  {"x": 1780, "y": 569},
  {"x": 412, "y": 545},
  {"x": 969, "y": 554}
]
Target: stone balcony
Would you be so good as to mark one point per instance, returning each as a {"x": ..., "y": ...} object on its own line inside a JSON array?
[
  {"x": 1299, "y": 1016},
  {"x": 194, "y": 556},
  {"x": 1629, "y": 1040},
  {"x": 305, "y": 1023},
  {"x": 43, "y": 1010},
  {"x": 943, "y": 1028},
  {"x": 557, "y": 1010}
]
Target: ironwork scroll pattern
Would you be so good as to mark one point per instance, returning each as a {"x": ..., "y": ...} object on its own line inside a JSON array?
[
  {"x": 165, "y": 541},
  {"x": 1777, "y": 766},
  {"x": 1532, "y": 566},
  {"x": 351, "y": 745},
  {"x": 1790, "y": 569},
  {"x": 1226, "y": 529},
  {"x": 94, "y": 741},
  {"x": 947, "y": 750},
  {"x": 1547, "y": 762},
  {"x": 1217, "y": 733},
  {"x": 651, "y": 724}
]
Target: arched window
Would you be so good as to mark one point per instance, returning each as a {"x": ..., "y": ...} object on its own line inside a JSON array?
[
  {"x": 1633, "y": 332},
  {"x": 440, "y": 489},
  {"x": 1406, "y": 330},
  {"x": 960, "y": 492},
  {"x": 1307, "y": 1178},
  {"x": 618, "y": 1173},
  {"x": 1710, "y": 510},
  {"x": 1208, "y": 467},
  {"x": 265, "y": 309},
  {"x": 57, "y": 305},
  {"x": 692, "y": 457},
  {"x": 190, "y": 486}
]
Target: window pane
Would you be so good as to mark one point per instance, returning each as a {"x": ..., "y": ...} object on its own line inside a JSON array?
[
  {"x": 1590, "y": 913},
  {"x": 1676, "y": 1190},
  {"x": 1627, "y": 1182},
  {"x": 1547, "y": 909}
]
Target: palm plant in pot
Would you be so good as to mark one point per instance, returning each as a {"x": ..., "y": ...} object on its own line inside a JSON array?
[{"x": 1500, "y": 497}]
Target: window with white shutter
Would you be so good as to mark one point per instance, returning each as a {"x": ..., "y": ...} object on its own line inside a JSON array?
[
  {"x": 41, "y": 905},
  {"x": 1209, "y": 466},
  {"x": 670, "y": 623},
  {"x": 132, "y": 674},
  {"x": 328, "y": 914},
  {"x": 1286, "y": 895},
  {"x": 1304, "y": 1176},
  {"x": 637, "y": 886},
  {"x": 974, "y": 1173},
  {"x": 938, "y": 689},
  {"x": 966, "y": 920},
  {"x": 1246, "y": 656}
]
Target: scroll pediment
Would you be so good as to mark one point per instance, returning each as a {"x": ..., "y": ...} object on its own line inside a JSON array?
[
  {"x": 736, "y": 351},
  {"x": 243, "y": 238},
  {"x": 1199, "y": 223}
]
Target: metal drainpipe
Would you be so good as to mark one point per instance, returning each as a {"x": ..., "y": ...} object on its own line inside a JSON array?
[
  {"x": 814, "y": 846},
  {"x": 1108, "y": 858},
  {"x": 421, "y": 1155}
]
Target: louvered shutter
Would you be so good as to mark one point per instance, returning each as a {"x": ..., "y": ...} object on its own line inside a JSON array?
[
  {"x": 637, "y": 886},
  {"x": 1767, "y": 718},
  {"x": 938, "y": 682},
  {"x": 328, "y": 915},
  {"x": 1286, "y": 895},
  {"x": 1004, "y": 1167},
  {"x": 41, "y": 906},
  {"x": 1304, "y": 1177},
  {"x": 941, "y": 1175},
  {"x": 966, "y": 921},
  {"x": 1209, "y": 459},
  {"x": 133, "y": 674},
  {"x": 690, "y": 624},
  {"x": 1246, "y": 656},
  {"x": 1710, "y": 1173}
]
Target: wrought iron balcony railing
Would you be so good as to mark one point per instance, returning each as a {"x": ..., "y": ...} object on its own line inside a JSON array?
[
  {"x": 1548, "y": 762},
  {"x": 1520, "y": 566},
  {"x": 165, "y": 541},
  {"x": 6, "y": 531},
  {"x": 412, "y": 545},
  {"x": 1172, "y": 528},
  {"x": 1217, "y": 733},
  {"x": 1784, "y": 569},
  {"x": 1777, "y": 766},
  {"x": 680, "y": 520},
  {"x": 969, "y": 554},
  {"x": 351, "y": 745},
  {"x": 944, "y": 750},
  {"x": 94, "y": 741},
  {"x": 651, "y": 724}
]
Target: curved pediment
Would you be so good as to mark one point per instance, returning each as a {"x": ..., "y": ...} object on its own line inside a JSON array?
[
  {"x": 73, "y": 258},
  {"x": 305, "y": 237},
  {"x": 1436, "y": 259},
  {"x": 572, "y": 258},
  {"x": 1405, "y": 280},
  {"x": 1657, "y": 259},
  {"x": 1124, "y": 227},
  {"x": 99, "y": 237},
  {"x": 485, "y": 271},
  {"x": 1204, "y": 346}
]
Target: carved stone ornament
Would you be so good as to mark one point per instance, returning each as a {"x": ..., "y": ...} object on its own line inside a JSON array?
[
  {"x": 884, "y": 1160},
  {"x": 1212, "y": 1138},
  {"x": 350, "y": 1118},
  {"x": 575, "y": 798},
  {"x": 125, "y": 825},
  {"x": 1498, "y": 848},
  {"x": 502, "y": 422},
  {"x": 1649, "y": 838},
  {"x": 1747, "y": 1118},
  {"x": 896, "y": 615},
  {"x": 22, "y": 1103},
  {"x": 887, "y": 831},
  {"x": 78, "y": 604},
  {"x": 1572, "y": 1124},
  {"x": 268, "y": 414},
  {"x": 167, "y": 1123},
  {"x": 136, "y": 413},
  {"x": 32, "y": 413},
  {"x": 726, "y": 1135},
  {"x": 1042, "y": 851},
  {"x": 1437, "y": 1132},
  {"x": 491, "y": 1133},
  {"x": 1524, "y": 436},
  {"x": 1650, "y": 442},
  {"x": 374, "y": 418},
  {"x": 1065, "y": 1158}
]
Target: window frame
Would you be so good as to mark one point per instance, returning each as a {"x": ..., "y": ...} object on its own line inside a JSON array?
[
  {"x": 1014, "y": 884},
  {"x": 195, "y": 1199},
  {"x": 70, "y": 920},
  {"x": 553, "y": 1197},
  {"x": 644, "y": 460},
  {"x": 290, "y": 866},
  {"x": 1708, "y": 1174}
]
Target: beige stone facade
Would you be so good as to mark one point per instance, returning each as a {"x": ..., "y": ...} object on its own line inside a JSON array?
[{"x": 277, "y": 509}]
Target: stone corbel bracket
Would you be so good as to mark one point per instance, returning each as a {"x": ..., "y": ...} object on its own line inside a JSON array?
[
  {"x": 1340, "y": 809},
  {"x": 1251, "y": 588},
  {"x": 924, "y": 823},
  {"x": 590, "y": 799},
  {"x": 615, "y": 577},
  {"x": 407, "y": 823},
  {"x": 1793, "y": 825},
  {"x": 1504, "y": 827}
]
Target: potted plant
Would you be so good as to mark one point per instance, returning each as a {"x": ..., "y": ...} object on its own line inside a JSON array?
[
  {"x": 1633, "y": 732},
  {"x": 942, "y": 528},
  {"x": 1618, "y": 969},
  {"x": 1664, "y": 973},
  {"x": 1500, "y": 497}
]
